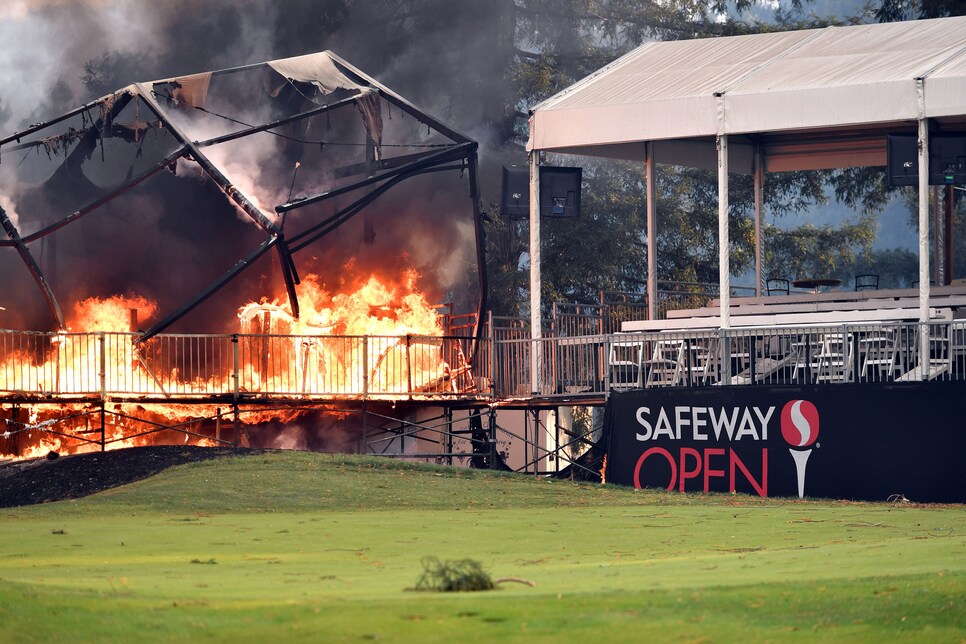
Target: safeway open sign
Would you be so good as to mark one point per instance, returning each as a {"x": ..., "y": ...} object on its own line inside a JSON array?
[{"x": 836, "y": 441}]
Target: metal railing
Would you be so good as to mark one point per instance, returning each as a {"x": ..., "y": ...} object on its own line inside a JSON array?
[
  {"x": 828, "y": 354},
  {"x": 240, "y": 365},
  {"x": 508, "y": 363}
]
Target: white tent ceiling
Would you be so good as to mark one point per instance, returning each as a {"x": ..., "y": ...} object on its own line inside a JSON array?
[{"x": 820, "y": 98}]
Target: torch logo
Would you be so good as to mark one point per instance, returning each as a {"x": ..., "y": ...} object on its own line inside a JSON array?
[{"x": 800, "y": 429}]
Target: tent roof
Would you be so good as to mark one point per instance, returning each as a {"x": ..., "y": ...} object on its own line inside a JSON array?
[{"x": 847, "y": 83}]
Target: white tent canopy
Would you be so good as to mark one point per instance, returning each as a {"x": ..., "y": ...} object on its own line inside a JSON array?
[
  {"x": 849, "y": 83},
  {"x": 812, "y": 99}
]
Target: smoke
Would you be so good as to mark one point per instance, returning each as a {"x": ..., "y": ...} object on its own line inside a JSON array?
[
  {"x": 314, "y": 431},
  {"x": 10, "y": 209},
  {"x": 441, "y": 55},
  {"x": 58, "y": 54},
  {"x": 49, "y": 44},
  {"x": 343, "y": 432}
]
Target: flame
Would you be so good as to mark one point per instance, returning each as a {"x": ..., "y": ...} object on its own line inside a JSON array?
[
  {"x": 109, "y": 314},
  {"x": 380, "y": 338},
  {"x": 377, "y": 338},
  {"x": 374, "y": 307}
]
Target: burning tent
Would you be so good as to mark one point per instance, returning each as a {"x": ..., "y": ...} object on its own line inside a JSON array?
[
  {"x": 204, "y": 192},
  {"x": 308, "y": 218}
]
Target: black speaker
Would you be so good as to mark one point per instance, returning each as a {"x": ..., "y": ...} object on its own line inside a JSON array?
[
  {"x": 559, "y": 191},
  {"x": 515, "y": 195},
  {"x": 947, "y": 159},
  {"x": 902, "y": 160}
]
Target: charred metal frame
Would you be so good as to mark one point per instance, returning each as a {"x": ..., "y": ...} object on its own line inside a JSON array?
[
  {"x": 459, "y": 154},
  {"x": 393, "y": 171},
  {"x": 387, "y": 435}
]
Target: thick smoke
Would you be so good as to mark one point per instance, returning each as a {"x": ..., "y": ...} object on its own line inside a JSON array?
[
  {"x": 440, "y": 56},
  {"x": 341, "y": 432},
  {"x": 57, "y": 55}
]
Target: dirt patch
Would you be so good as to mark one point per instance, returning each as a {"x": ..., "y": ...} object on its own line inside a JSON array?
[{"x": 43, "y": 480}]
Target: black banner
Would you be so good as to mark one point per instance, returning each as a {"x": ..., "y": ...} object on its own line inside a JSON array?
[{"x": 861, "y": 441}]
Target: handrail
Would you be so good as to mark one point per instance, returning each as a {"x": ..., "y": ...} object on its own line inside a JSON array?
[{"x": 239, "y": 367}]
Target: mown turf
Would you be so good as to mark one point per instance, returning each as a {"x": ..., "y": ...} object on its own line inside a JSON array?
[{"x": 315, "y": 547}]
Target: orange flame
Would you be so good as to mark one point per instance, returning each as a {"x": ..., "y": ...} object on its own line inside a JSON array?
[
  {"x": 377, "y": 338},
  {"x": 110, "y": 314}
]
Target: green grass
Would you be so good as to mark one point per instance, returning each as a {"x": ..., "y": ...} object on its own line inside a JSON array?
[{"x": 291, "y": 546}]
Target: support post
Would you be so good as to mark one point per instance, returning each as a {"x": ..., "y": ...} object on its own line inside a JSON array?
[
  {"x": 492, "y": 438},
  {"x": 527, "y": 419},
  {"x": 937, "y": 240},
  {"x": 448, "y": 412},
  {"x": 492, "y": 354},
  {"x": 472, "y": 162},
  {"x": 949, "y": 199},
  {"x": 103, "y": 435},
  {"x": 724, "y": 243},
  {"x": 365, "y": 367},
  {"x": 409, "y": 365},
  {"x": 556, "y": 437},
  {"x": 235, "y": 376},
  {"x": 923, "y": 229},
  {"x": 759, "y": 203},
  {"x": 535, "y": 296},
  {"x": 102, "y": 369},
  {"x": 650, "y": 184},
  {"x": 15, "y": 436}
]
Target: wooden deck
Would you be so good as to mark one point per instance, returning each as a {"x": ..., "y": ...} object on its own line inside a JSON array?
[{"x": 835, "y": 307}]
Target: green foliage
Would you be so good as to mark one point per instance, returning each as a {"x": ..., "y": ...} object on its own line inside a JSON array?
[
  {"x": 898, "y": 10},
  {"x": 817, "y": 250},
  {"x": 604, "y": 248},
  {"x": 461, "y": 575},
  {"x": 896, "y": 267},
  {"x": 563, "y": 40}
]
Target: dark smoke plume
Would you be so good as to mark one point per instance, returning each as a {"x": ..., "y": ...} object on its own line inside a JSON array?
[{"x": 61, "y": 54}]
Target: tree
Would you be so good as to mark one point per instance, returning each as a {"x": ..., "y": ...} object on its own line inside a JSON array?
[
  {"x": 563, "y": 40},
  {"x": 899, "y": 10}
]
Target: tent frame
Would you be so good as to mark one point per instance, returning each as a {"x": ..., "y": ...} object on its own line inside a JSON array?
[{"x": 786, "y": 142}]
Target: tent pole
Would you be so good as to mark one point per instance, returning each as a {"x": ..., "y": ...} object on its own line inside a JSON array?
[
  {"x": 650, "y": 182},
  {"x": 923, "y": 227},
  {"x": 949, "y": 200},
  {"x": 724, "y": 270},
  {"x": 535, "y": 303},
  {"x": 937, "y": 250},
  {"x": 759, "y": 198}
]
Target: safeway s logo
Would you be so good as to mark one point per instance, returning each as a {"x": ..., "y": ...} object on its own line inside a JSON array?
[
  {"x": 799, "y": 423},
  {"x": 800, "y": 429}
]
